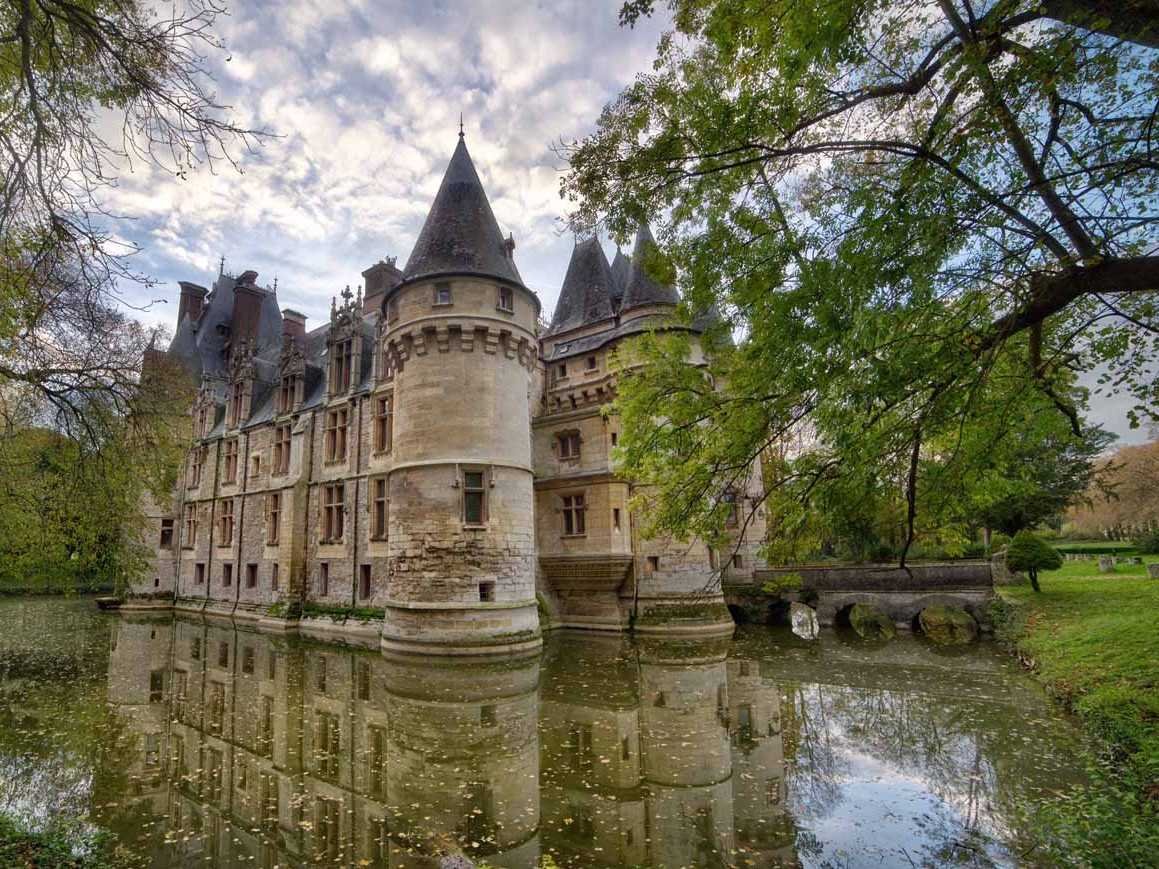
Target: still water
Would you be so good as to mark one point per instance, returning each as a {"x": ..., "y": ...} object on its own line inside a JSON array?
[{"x": 201, "y": 744}]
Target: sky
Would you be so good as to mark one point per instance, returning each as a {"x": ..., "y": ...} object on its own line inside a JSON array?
[{"x": 364, "y": 98}]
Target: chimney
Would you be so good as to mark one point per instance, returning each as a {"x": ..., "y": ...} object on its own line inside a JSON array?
[
  {"x": 293, "y": 324},
  {"x": 380, "y": 277},
  {"x": 192, "y": 301},
  {"x": 247, "y": 307}
]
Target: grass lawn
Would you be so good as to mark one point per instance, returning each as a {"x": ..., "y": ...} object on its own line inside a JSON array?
[{"x": 1093, "y": 638}]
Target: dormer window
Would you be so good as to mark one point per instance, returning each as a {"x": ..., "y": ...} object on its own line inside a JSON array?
[
  {"x": 233, "y": 412},
  {"x": 340, "y": 366},
  {"x": 560, "y": 372},
  {"x": 506, "y": 300},
  {"x": 288, "y": 393},
  {"x": 202, "y": 421},
  {"x": 729, "y": 498},
  {"x": 442, "y": 294}
]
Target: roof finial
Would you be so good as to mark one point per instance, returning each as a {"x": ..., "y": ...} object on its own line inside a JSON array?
[
  {"x": 275, "y": 283},
  {"x": 221, "y": 266},
  {"x": 460, "y": 125}
]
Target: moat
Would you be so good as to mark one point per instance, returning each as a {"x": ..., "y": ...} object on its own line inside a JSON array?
[{"x": 199, "y": 744}]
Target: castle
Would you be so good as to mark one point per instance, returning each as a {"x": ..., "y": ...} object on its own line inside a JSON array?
[{"x": 430, "y": 469}]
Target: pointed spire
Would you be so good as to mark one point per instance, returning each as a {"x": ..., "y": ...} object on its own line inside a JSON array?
[
  {"x": 584, "y": 297},
  {"x": 461, "y": 235},
  {"x": 621, "y": 271},
  {"x": 642, "y": 288},
  {"x": 460, "y": 125}
]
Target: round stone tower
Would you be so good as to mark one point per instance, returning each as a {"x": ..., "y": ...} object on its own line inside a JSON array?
[{"x": 458, "y": 342}]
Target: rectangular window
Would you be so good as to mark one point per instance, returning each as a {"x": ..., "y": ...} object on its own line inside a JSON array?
[
  {"x": 340, "y": 366},
  {"x": 383, "y": 424},
  {"x": 281, "y": 449},
  {"x": 180, "y": 692},
  {"x": 506, "y": 299},
  {"x": 199, "y": 574},
  {"x": 442, "y": 294},
  {"x": 273, "y": 517},
  {"x": 615, "y": 518},
  {"x": 190, "y": 526},
  {"x": 229, "y": 473},
  {"x": 560, "y": 371},
  {"x": 202, "y": 422},
  {"x": 376, "y": 761},
  {"x": 378, "y": 508},
  {"x": 196, "y": 459},
  {"x": 486, "y": 592},
  {"x": 233, "y": 413},
  {"x": 324, "y": 578},
  {"x": 251, "y": 576},
  {"x": 166, "y": 533},
  {"x": 247, "y": 660},
  {"x": 226, "y": 523},
  {"x": 392, "y": 310},
  {"x": 333, "y": 512},
  {"x": 733, "y": 517},
  {"x": 573, "y": 515},
  {"x": 156, "y": 686},
  {"x": 255, "y": 465},
  {"x": 592, "y": 364},
  {"x": 216, "y": 704},
  {"x": 223, "y": 654},
  {"x": 320, "y": 675},
  {"x": 274, "y": 576},
  {"x": 334, "y": 445},
  {"x": 288, "y": 393},
  {"x": 227, "y": 575},
  {"x": 652, "y": 564},
  {"x": 474, "y": 498},
  {"x": 569, "y": 445},
  {"x": 615, "y": 438},
  {"x": 364, "y": 581},
  {"x": 272, "y": 666},
  {"x": 737, "y": 561}
]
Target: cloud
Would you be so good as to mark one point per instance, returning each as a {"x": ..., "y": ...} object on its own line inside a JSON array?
[{"x": 365, "y": 100}]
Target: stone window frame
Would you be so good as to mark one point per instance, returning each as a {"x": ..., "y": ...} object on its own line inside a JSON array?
[
  {"x": 565, "y": 440},
  {"x": 486, "y": 481},
  {"x": 273, "y": 518},
  {"x": 341, "y": 366},
  {"x": 333, "y": 513},
  {"x": 190, "y": 519},
  {"x": 334, "y": 435},
  {"x": 441, "y": 288},
  {"x": 365, "y": 581},
  {"x": 275, "y": 579},
  {"x": 225, "y": 521},
  {"x": 230, "y": 451},
  {"x": 234, "y": 404},
  {"x": 573, "y": 512},
  {"x": 731, "y": 497},
  {"x": 505, "y": 299},
  {"x": 199, "y": 574},
  {"x": 392, "y": 309},
  {"x": 251, "y": 575},
  {"x": 283, "y": 437},
  {"x": 383, "y": 430},
  {"x": 592, "y": 363},
  {"x": 288, "y": 392},
  {"x": 378, "y": 506},
  {"x": 558, "y": 372},
  {"x": 196, "y": 464},
  {"x": 168, "y": 530},
  {"x": 227, "y": 574}
]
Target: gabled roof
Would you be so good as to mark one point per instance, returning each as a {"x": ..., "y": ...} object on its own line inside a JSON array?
[
  {"x": 641, "y": 288},
  {"x": 460, "y": 234},
  {"x": 586, "y": 293},
  {"x": 621, "y": 271}
]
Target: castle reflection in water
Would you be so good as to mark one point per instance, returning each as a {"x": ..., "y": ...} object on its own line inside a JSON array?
[{"x": 251, "y": 750}]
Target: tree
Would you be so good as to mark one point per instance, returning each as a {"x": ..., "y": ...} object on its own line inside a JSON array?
[
  {"x": 917, "y": 216},
  {"x": 1121, "y": 501},
  {"x": 1041, "y": 474},
  {"x": 1031, "y": 554},
  {"x": 67, "y": 69}
]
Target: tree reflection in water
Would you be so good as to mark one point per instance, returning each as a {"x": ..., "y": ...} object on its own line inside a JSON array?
[{"x": 202, "y": 743}]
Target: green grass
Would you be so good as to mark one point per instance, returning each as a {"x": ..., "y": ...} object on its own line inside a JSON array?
[
  {"x": 1095, "y": 547},
  {"x": 1093, "y": 639}
]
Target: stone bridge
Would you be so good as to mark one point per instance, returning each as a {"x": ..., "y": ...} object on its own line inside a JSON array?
[{"x": 901, "y": 594}]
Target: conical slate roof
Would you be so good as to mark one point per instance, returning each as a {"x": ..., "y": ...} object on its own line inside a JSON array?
[
  {"x": 461, "y": 234},
  {"x": 621, "y": 271},
  {"x": 642, "y": 289},
  {"x": 585, "y": 296}
]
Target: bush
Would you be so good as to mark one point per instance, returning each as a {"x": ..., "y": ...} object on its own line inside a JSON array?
[
  {"x": 1030, "y": 554},
  {"x": 1149, "y": 545}
]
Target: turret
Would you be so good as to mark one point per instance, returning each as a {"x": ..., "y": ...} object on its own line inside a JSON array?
[{"x": 459, "y": 346}]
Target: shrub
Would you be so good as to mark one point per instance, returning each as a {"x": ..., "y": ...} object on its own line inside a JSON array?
[
  {"x": 1031, "y": 554},
  {"x": 1149, "y": 545}
]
